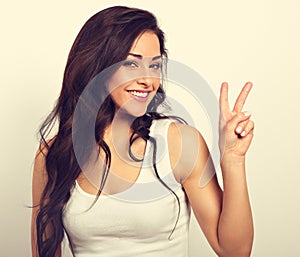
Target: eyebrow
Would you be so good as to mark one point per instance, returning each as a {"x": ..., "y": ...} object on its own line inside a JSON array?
[{"x": 141, "y": 57}]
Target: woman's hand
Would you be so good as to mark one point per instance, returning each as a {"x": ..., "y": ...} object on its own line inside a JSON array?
[{"x": 236, "y": 128}]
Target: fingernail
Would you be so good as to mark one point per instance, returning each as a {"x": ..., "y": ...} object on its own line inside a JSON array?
[
  {"x": 249, "y": 86},
  {"x": 239, "y": 129},
  {"x": 247, "y": 114},
  {"x": 243, "y": 133}
]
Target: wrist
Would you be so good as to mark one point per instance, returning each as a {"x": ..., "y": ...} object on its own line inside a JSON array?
[
  {"x": 233, "y": 170},
  {"x": 232, "y": 160}
]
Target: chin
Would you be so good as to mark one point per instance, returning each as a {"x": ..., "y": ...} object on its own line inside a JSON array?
[
  {"x": 133, "y": 108},
  {"x": 138, "y": 112},
  {"x": 133, "y": 112}
]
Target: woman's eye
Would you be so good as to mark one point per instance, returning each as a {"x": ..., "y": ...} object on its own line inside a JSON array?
[
  {"x": 130, "y": 64},
  {"x": 155, "y": 66}
]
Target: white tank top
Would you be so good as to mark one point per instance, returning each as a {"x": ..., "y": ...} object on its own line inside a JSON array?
[{"x": 136, "y": 222}]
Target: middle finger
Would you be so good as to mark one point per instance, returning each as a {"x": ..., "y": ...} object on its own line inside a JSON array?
[{"x": 240, "y": 101}]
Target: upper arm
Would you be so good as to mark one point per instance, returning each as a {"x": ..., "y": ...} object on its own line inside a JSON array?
[
  {"x": 39, "y": 181},
  {"x": 192, "y": 163}
]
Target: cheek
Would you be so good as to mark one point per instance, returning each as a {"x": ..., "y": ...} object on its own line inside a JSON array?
[
  {"x": 119, "y": 94},
  {"x": 156, "y": 83},
  {"x": 121, "y": 78}
]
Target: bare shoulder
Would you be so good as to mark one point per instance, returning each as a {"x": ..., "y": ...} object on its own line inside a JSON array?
[
  {"x": 180, "y": 135},
  {"x": 40, "y": 156},
  {"x": 44, "y": 146},
  {"x": 185, "y": 143},
  {"x": 183, "y": 130}
]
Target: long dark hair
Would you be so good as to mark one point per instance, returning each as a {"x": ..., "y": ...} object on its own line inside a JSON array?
[{"x": 105, "y": 39}]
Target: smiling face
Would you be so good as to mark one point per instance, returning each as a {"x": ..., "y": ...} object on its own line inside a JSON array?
[{"x": 135, "y": 83}]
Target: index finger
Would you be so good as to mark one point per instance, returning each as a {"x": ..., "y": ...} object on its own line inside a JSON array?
[
  {"x": 240, "y": 101},
  {"x": 224, "y": 104}
]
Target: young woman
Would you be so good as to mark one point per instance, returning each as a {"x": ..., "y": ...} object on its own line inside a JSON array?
[{"x": 129, "y": 192}]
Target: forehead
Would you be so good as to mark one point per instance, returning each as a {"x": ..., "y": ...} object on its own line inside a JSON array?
[{"x": 146, "y": 44}]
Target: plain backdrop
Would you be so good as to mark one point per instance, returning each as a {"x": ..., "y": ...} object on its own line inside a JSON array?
[{"x": 234, "y": 41}]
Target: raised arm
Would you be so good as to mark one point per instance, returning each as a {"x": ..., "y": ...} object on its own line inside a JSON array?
[
  {"x": 237, "y": 129},
  {"x": 224, "y": 217}
]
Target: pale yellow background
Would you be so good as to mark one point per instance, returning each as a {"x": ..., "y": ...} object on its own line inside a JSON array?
[{"x": 232, "y": 41}]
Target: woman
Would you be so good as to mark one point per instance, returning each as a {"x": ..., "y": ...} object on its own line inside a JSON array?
[{"x": 137, "y": 209}]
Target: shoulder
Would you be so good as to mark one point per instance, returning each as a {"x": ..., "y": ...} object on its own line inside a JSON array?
[
  {"x": 182, "y": 130},
  {"x": 186, "y": 145},
  {"x": 40, "y": 175},
  {"x": 180, "y": 135},
  {"x": 175, "y": 128},
  {"x": 41, "y": 153}
]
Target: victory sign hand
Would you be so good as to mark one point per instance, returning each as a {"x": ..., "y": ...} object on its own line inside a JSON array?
[{"x": 236, "y": 128}]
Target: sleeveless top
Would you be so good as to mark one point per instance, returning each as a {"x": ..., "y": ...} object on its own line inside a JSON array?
[{"x": 136, "y": 222}]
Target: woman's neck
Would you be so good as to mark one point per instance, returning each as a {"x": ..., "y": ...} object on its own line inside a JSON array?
[{"x": 117, "y": 135}]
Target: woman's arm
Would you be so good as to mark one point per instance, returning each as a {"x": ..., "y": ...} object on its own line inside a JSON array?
[
  {"x": 236, "y": 131},
  {"x": 225, "y": 217},
  {"x": 39, "y": 180}
]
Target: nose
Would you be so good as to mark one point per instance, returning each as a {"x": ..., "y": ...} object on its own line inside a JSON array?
[{"x": 145, "y": 81}]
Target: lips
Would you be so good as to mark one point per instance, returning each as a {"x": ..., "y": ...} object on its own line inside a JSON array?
[{"x": 139, "y": 95}]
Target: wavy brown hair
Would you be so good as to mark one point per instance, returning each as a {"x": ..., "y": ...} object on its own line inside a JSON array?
[{"x": 105, "y": 39}]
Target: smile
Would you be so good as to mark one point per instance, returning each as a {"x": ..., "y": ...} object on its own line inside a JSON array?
[{"x": 138, "y": 93}]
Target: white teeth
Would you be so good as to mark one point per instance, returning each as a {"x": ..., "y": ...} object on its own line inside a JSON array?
[{"x": 139, "y": 94}]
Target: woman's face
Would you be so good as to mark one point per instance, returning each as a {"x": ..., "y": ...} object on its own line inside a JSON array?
[{"x": 135, "y": 83}]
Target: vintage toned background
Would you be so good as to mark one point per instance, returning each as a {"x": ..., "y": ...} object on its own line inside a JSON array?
[{"x": 232, "y": 41}]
